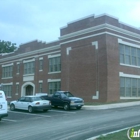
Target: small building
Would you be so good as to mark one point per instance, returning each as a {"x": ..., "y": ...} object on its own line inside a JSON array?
[{"x": 96, "y": 58}]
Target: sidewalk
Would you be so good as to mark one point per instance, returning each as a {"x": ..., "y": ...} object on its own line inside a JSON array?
[{"x": 109, "y": 106}]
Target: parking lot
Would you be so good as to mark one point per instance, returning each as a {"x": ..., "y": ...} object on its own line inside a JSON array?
[{"x": 20, "y": 115}]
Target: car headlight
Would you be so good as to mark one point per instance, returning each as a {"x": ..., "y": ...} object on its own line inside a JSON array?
[{"x": 72, "y": 102}]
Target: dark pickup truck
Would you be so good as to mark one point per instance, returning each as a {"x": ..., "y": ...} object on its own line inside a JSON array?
[{"x": 64, "y": 99}]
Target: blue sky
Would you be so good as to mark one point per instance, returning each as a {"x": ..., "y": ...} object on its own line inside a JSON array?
[{"x": 22, "y": 21}]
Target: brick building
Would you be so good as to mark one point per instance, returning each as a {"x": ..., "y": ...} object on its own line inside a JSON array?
[{"x": 96, "y": 58}]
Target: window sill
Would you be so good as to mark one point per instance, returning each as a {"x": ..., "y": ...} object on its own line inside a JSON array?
[
  {"x": 7, "y": 78},
  {"x": 54, "y": 72},
  {"x": 29, "y": 75},
  {"x": 40, "y": 70},
  {"x": 129, "y": 65},
  {"x": 8, "y": 97},
  {"x": 129, "y": 98}
]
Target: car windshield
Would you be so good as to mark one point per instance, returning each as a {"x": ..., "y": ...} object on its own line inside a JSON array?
[
  {"x": 67, "y": 94},
  {"x": 36, "y": 98},
  {"x": 44, "y": 97}
]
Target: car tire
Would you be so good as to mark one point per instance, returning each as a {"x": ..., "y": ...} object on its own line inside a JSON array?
[
  {"x": 12, "y": 107},
  {"x": 66, "y": 107},
  {"x": 45, "y": 110},
  {"x": 78, "y": 107},
  {"x": 55, "y": 106},
  {"x": 30, "y": 109}
]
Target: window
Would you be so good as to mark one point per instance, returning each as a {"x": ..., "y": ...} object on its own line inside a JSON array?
[
  {"x": 29, "y": 68},
  {"x": 54, "y": 86},
  {"x": 8, "y": 90},
  {"x": 121, "y": 53},
  {"x": 18, "y": 68},
  {"x": 129, "y": 55},
  {"x": 40, "y": 87},
  {"x": 40, "y": 64},
  {"x": 129, "y": 87},
  {"x": 54, "y": 64},
  {"x": 138, "y": 56},
  {"x": 122, "y": 87},
  {"x": 17, "y": 88},
  {"x": 7, "y": 71},
  {"x": 134, "y": 56}
]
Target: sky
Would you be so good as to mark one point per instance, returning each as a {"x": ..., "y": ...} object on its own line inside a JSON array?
[{"x": 23, "y": 21}]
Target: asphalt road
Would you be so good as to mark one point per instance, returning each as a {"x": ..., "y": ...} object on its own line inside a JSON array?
[{"x": 66, "y": 125}]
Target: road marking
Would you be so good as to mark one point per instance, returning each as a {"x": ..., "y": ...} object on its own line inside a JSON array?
[
  {"x": 31, "y": 114},
  {"x": 9, "y": 120},
  {"x": 62, "y": 111}
]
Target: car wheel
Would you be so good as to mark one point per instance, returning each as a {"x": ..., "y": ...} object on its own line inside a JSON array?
[
  {"x": 12, "y": 107},
  {"x": 55, "y": 106},
  {"x": 66, "y": 107},
  {"x": 79, "y": 107},
  {"x": 45, "y": 110},
  {"x": 30, "y": 109}
]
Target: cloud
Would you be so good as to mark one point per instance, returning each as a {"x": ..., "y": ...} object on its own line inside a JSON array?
[{"x": 26, "y": 20}]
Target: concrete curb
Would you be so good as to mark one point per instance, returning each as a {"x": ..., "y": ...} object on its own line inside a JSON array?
[{"x": 109, "y": 106}]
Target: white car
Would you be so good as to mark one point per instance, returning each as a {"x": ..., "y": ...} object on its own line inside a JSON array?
[
  {"x": 3, "y": 105},
  {"x": 30, "y": 103}
]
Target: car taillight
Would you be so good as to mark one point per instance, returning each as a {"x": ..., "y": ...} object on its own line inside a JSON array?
[
  {"x": 5, "y": 97},
  {"x": 37, "y": 103}
]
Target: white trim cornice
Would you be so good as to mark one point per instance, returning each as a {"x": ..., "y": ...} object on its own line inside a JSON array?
[
  {"x": 30, "y": 53},
  {"x": 100, "y": 27}
]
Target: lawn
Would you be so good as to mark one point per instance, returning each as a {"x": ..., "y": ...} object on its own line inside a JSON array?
[{"x": 122, "y": 135}]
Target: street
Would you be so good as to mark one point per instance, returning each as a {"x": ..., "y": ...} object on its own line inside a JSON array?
[{"x": 58, "y": 124}]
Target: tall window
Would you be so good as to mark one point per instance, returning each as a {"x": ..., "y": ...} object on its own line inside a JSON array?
[
  {"x": 40, "y": 87},
  {"x": 17, "y": 88},
  {"x": 7, "y": 71},
  {"x": 129, "y": 87},
  {"x": 40, "y": 64},
  {"x": 129, "y": 55},
  {"x": 29, "y": 68},
  {"x": 18, "y": 68},
  {"x": 54, "y": 64},
  {"x": 138, "y": 56},
  {"x": 54, "y": 86},
  {"x": 8, "y": 90}
]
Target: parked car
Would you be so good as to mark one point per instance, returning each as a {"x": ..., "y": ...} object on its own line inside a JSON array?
[
  {"x": 3, "y": 105},
  {"x": 64, "y": 99},
  {"x": 30, "y": 103}
]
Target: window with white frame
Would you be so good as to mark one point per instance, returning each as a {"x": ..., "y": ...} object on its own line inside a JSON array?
[
  {"x": 40, "y": 87},
  {"x": 7, "y": 71},
  {"x": 18, "y": 68},
  {"x": 40, "y": 64},
  {"x": 8, "y": 90},
  {"x": 54, "y": 86},
  {"x": 129, "y": 55},
  {"x": 17, "y": 88},
  {"x": 54, "y": 64},
  {"x": 29, "y": 67},
  {"x": 129, "y": 87}
]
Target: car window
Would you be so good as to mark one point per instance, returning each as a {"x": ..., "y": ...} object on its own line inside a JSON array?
[
  {"x": 68, "y": 94},
  {"x": 57, "y": 94},
  {"x": 44, "y": 97},
  {"x": 27, "y": 99},
  {"x": 22, "y": 99},
  {"x": 35, "y": 99}
]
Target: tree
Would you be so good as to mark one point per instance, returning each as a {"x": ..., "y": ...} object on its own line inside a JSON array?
[{"x": 7, "y": 46}]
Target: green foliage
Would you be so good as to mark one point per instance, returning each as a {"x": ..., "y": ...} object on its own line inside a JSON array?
[{"x": 7, "y": 46}]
